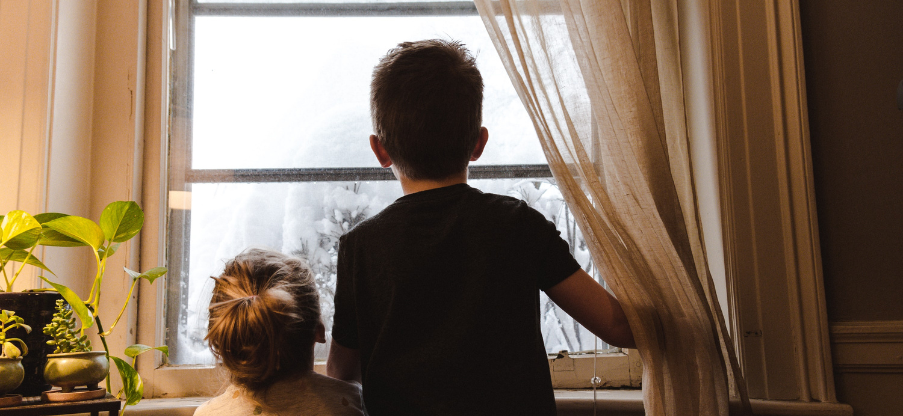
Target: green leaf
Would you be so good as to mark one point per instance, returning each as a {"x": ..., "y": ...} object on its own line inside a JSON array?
[
  {"x": 49, "y": 216},
  {"x": 51, "y": 237},
  {"x": 81, "y": 229},
  {"x": 10, "y": 350},
  {"x": 22, "y": 256},
  {"x": 150, "y": 275},
  {"x": 137, "y": 349},
  {"x": 131, "y": 381},
  {"x": 19, "y": 230},
  {"x": 22, "y": 344},
  {"x": 109, "y": 251},
  {"x": 121, "y": 220},
  {"x": 77, "y": 304}
]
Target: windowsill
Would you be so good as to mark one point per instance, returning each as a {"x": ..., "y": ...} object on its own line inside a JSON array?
[{"x": 570, "y": 402}]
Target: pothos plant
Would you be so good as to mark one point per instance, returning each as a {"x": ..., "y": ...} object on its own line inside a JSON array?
[
  {"x": 20, "y": 234},
  {"x": 119, "y": 222},
  {"x": 9, "y": 320}
]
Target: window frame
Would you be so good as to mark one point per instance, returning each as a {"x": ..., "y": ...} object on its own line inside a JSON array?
[
  {"x": 623, "y": 370},
  {"x": 724, "y": 27}
]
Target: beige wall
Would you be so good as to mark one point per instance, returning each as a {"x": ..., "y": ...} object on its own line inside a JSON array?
[
  {"x": 71, "y": 128},
  {"x": 854, "y": 62},
  {"x": 26, "y": 54},
  {"x": 46, "y": 108}
]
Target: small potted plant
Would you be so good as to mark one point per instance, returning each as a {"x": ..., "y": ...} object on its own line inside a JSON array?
[
  {"x": 11, "y": 371},
  {"x": 119, "y": 222},
  {"x": 73, "y": 363}
]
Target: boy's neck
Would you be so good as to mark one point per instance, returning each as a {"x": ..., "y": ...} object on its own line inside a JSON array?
[{"x": 410, "y": 186}]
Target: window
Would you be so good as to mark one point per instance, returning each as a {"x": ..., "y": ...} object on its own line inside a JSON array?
[
  {"x": 269, "y": 145},
  {"x": 788, "y": 322}
]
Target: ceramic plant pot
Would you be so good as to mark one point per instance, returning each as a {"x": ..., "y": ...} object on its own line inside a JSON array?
[
  {"x": 11, "y": 374},
  {"x": 73, "y": 369}
]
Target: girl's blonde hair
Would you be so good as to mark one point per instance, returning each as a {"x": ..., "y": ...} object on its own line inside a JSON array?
[{"x": 263, "y": 318}]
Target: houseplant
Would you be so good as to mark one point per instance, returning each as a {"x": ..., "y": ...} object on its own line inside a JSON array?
[
  {"x": 119, "y": 222},
  {"x": 11, "y": 371},
  {"x": 72, "y": 362},
  {"x": 20, "y": 235}
]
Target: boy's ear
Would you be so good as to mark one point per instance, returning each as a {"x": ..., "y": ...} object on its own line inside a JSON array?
[
  {"x": 320, "y": 333},
  {"x": 381, "y": 155},
  {"x": 481, "y": 143}
]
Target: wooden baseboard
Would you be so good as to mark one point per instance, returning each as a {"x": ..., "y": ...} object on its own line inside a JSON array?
[{"x": 867, "y": 346}]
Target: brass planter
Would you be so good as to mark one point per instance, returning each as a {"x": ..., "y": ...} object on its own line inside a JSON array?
[
  {"x": 11, "y": 374},
  {"x": 71, "y": 369}
]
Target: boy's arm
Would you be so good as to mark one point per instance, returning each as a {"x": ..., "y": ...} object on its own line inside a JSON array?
[
  {"x": 589, "y": 303},
  {"x": 343, "y": 363}
]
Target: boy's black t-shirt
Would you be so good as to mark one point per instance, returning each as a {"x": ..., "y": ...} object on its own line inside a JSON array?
[{"x": 440, "y": 293}]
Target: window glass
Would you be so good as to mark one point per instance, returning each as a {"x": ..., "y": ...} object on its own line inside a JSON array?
[
  {"x": 307, "y": 219},
  {"x": 298, "y": 88}
]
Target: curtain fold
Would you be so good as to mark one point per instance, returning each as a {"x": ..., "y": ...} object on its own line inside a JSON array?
[{"x": 601, "y": 81}]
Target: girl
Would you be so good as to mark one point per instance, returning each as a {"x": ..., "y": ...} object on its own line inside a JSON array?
[{"x": 264, "y": 321}]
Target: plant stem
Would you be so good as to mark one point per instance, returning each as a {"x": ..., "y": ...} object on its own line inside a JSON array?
[
  {"x": 97, "y": 277},
  {"x": 9, "y": 287},
  {"x": 9, "y": 283},
  {"x": 127, "y": 299},
  {"x": 106, "y": 349}
]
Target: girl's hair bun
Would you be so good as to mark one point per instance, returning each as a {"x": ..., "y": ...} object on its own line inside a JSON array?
[{"x": 263, "y": 318}]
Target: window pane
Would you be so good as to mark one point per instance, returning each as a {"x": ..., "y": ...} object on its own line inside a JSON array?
[
  {"x": 297, "y": 88},
  {"x": 306, "y": 219}
]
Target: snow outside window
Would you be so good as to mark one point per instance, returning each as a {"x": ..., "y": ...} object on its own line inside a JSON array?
[{"x": 270, "y": 145}]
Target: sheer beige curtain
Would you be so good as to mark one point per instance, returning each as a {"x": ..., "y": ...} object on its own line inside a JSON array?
[{"x": 601, "y": 80}]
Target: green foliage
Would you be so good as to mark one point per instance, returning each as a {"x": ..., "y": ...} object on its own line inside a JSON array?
[
  {"x": 119, "y": 222},
  {"x": 8, "y": 321},
  {"x": 149, "y": 275},
  {"x": 132, "y": 385},
  {"x": 22, "y": 256},
  {"x": 19, "y": 230},
  {"x": 76, "y": 303},
  {"x": 137, "y": 349},
  {"x": 20, "y": 233},
  {"x": 80, "y": 229},
  {"x": 62, "y": 330}
]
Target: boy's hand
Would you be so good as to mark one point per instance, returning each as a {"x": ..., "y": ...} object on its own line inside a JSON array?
[
  {"x": 589, "y": 303},
  {"x": 343, "y": 363}
]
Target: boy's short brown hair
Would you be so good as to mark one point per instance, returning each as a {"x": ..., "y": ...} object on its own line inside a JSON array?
[{"x": 426, "y": 102}]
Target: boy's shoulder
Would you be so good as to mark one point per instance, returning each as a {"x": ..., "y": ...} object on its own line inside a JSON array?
[{"x": 497, "y": 211}]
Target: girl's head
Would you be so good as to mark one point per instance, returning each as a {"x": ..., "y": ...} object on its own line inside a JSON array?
[{"x": 264, "y": 318}]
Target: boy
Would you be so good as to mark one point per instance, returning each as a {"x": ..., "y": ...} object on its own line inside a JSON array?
[{"x": 437, "y": 300}]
